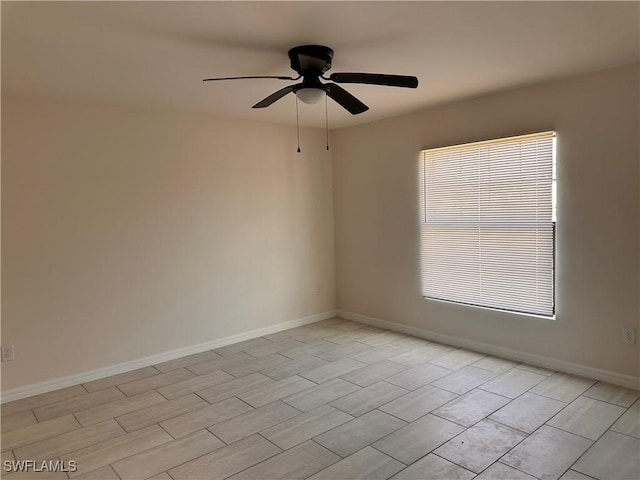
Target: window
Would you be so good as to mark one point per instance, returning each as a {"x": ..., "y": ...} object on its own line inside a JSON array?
[{"x": 488, "y": 223}]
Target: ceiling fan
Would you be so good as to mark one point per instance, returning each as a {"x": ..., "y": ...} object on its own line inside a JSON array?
[{"x": 311, "y": 62}]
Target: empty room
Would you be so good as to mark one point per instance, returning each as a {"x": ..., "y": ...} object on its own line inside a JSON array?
[{"x": 326, "y": 240}]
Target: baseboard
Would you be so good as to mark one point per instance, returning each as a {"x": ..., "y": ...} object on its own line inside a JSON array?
[
  {"x": 628, "y": 381},
  {"x": 55, "y": 384}
]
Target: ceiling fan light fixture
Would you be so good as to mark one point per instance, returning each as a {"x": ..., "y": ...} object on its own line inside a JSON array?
[
  {"x": 310, "y": 95},
  {"x": 311, "y": 62}
]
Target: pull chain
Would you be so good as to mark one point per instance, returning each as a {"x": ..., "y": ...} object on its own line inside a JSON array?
[
  {"x": 326, "y": 120},
  {"x": 297, "y": 124}
]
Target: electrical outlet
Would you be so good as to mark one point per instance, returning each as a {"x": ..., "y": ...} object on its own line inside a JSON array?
[
  {"x": 628, "y": 335},
  {"x": 7, "y": 353}
]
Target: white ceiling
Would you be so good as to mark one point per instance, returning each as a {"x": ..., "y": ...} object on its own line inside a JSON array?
[{"x": 157, "y": 53}]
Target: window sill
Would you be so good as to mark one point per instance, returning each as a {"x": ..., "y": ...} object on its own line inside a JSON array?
[{"x": 509, "y": 312}]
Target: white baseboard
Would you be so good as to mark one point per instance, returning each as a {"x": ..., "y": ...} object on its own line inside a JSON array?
[
  {"x": 55, "y": 384},
  {"x": 628, "y": 381}
]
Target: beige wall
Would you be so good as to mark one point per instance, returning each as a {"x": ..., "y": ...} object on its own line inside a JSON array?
[
  {"x": 376, "y": 215},
  {"x": 127, "y": 233},
  {"x": 130, "y": 232}
]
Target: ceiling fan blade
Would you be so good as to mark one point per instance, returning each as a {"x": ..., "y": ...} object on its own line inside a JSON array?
[
  {"x": 375, "y": 79},
  {"x": 243, "y": 78},
  {"x": 274, "y": 97},
  {"x": 345, "y": 99}
]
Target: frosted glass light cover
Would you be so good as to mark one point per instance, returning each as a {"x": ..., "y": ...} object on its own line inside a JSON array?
[{"x": 310, "y": 95}]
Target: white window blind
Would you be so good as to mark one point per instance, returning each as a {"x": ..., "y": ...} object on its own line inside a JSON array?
[{"x": 487, "y": 223}]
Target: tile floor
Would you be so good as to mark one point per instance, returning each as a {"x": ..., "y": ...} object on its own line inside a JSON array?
[{"x": 331, "y": 400}]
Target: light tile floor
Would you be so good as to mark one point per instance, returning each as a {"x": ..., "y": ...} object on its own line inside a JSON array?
[{"x": 332, "y": 400}]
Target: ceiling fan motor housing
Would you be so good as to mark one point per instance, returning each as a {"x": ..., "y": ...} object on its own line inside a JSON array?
[{"x": 311, "y": 60}]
